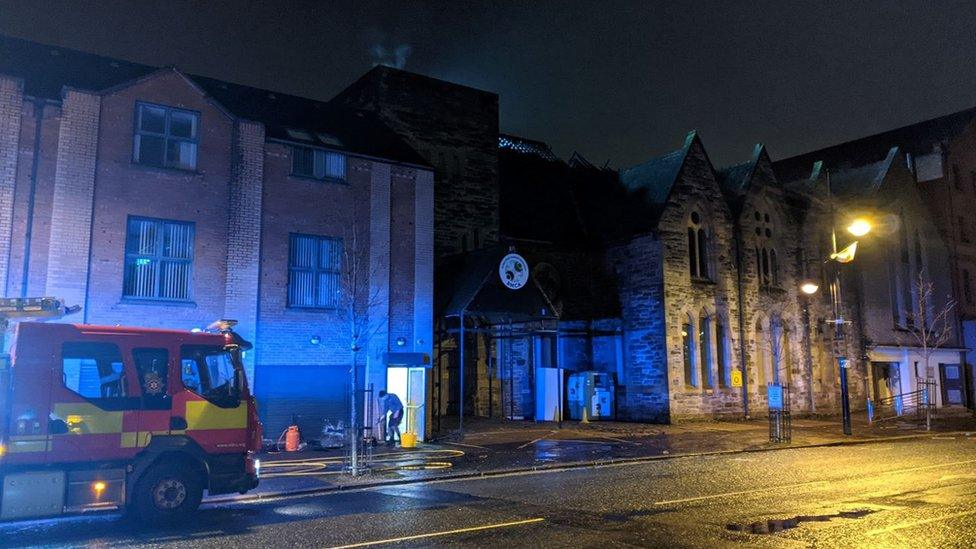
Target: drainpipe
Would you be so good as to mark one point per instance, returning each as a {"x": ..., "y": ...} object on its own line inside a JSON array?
[
  {"x": 742, "y": 322},
  {"x": 38, "y": 122}
]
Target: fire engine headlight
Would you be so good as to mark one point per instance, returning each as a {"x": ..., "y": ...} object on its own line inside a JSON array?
[
  {"x": 257, "y": 467},
  {"x": 98, "y": 487},
  {"x": 3, "y": 450}
]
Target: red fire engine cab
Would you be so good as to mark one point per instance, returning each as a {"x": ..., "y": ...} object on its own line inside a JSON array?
[{"x": 103, "y": 417}]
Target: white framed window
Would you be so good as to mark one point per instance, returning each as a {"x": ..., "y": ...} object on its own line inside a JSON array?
[
  {"x": 165, "y": 137},
  {"x": 158, "y": 259},
  {"x": 314, "y": 271},
  {"x": 318, "y": 164}
]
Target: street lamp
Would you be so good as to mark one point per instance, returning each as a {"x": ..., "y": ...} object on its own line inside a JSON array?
[
  {"x": 809, "y": 287},
  {"x": 859, "y": 227}
]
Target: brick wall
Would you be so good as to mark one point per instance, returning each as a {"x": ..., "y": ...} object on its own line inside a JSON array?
[
  {"x": 244, "y": 232},
  {"x": 456, "y": 128},
  {"x": 74, "y": 186},
  {"x": 11, "y": 106}
]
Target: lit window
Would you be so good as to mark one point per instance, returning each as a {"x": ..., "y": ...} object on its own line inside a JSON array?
[
  {"x": 93, "y": 371},
  {"x": 705, "y": 344},
  {"x": 314, "y": 271},
  {"x": 318, "y": 163},
  {"x": 165, "y": 137},
  {"x": 724, "y": 374},
  {"x": 158, "y": 259}
]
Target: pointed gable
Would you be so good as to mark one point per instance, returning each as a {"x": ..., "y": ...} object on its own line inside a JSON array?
[{"x": 657, "y": 176}]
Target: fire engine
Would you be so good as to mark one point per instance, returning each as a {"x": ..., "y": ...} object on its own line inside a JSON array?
[{"x": 108, "y": 417}]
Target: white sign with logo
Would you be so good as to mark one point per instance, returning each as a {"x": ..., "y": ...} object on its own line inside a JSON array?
[{"x": 514, "y": 271}]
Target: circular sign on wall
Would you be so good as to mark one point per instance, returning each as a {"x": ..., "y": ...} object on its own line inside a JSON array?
[{"x": 514, "y": 271}]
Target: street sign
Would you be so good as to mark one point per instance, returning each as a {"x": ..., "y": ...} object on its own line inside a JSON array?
[
  {"x": 775, "y": 395},
  {"x": 737, "y": 378}
]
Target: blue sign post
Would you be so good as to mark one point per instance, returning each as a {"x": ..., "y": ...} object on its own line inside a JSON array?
[{"x": 775, "y": 395}]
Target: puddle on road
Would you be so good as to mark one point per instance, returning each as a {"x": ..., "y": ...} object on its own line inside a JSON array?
[{"x": 779, "y": 525}]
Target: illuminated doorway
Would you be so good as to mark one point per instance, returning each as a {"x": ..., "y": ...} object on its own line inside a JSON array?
[{"x": 409, "y": 384}]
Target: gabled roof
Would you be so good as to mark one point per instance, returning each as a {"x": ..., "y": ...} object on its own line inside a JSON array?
[
  {"x": 47, "y": 70},
  {"x": 735, "y": 179},
  {"x": 657, "y": 176},
  {"x": 861, "y": 181},
  {"x": 917, "y": 139}
]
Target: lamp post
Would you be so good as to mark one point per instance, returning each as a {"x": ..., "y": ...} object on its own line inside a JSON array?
[{"x": 858, "y": 228}]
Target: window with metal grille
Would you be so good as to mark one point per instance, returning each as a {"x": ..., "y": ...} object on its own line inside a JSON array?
[
  {"x": 158, "y": 259},
  {"x": 318, "y": 164},
  {"x": 165, "y": 137},
  {"x": 314, "y": 271}
]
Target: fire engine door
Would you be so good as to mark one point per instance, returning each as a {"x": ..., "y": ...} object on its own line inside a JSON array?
[
  {"x": 95, "y": 400},
  {"x": 153, "y": 368}
]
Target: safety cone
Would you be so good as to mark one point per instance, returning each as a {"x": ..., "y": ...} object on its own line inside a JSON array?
[{"x": 586, "y": 416}]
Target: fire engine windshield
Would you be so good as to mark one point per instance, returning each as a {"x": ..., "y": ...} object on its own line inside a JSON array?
[{"x": 209, "y": 372}]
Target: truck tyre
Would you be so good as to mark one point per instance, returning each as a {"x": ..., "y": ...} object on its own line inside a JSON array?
[{"x": 167, "y": 492}]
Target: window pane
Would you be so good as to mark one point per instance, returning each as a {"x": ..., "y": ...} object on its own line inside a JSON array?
[
  {"x": 93, "y": 370},
  {"x": 702, "y": 254},
  {"x": 302, "y": 161},
  {"x": 152, "y": 119},
  {"x": 723, "y": 367},
  {"x": 335, "y": 165},
  {"x": 142, "y": 237},
  {"x": 150, "y": 150},
  {"x": 174, "y": 280},
  {"x": 177, "y": 241},
  {"x": 328, "y": 290},
  {"x": 302, "y": 251},
  {"x": 686, "y": 342},
  {"x": 692, "y": 253},
  {"x": 181, "y": 154},
  {"x": 319, "y": 171},
  {"x": 301, "y": 292},
  {"x": 182, "y": 124},
  {"x": 140, "y": 277},
  {"x": 330, "y": 256},
  {"x": 705, "y": 344}
]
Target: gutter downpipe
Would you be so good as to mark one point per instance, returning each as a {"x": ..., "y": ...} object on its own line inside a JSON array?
[
  {"x": 35, "y": 160},
  {"x": 742, "y": 322}
]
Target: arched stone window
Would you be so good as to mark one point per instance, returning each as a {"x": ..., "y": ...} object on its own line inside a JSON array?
[
  {"x": 763, "y": 356},
  {"x": 721, "y": 354},
  {"x": 705, "y": 346},
  {"x": 767, "y": 262},
  {"x": 780, "y": 351},
  {"x": 698, "y": 264},
  {"x": 688, "y": 352}
]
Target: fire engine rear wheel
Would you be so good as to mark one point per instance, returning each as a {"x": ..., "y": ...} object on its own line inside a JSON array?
[{"x": 167, "y": 492}]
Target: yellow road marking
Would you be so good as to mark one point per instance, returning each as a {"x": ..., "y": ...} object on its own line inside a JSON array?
[
  {"x": 439, "y": 534},
  {"x": 531, "y": 442},
  {"x": 919, "y": 523},
  {"x": 801, "y": 484}
]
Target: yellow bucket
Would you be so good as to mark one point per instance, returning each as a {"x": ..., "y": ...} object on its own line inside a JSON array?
[{"x": 408, "y": 440}]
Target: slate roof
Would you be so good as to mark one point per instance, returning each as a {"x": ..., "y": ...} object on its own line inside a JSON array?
[
  {"x": 46, "y": 70},
  {"x": 862, "y": 181},
  {"x": 735, "y": 179},
  {"x": 656, "y": 176},
  {"x": 915, "y": 138}
]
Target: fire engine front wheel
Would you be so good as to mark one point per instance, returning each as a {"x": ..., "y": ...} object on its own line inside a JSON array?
[{"x": 167, "y": 492}]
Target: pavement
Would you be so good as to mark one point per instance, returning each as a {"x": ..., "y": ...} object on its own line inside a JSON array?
[
  {"x": 918, "y": 492},
  {"x": 491, "y": 447}
]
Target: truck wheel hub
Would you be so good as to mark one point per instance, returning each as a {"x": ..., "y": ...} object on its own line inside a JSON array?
[{"x": 169, "y": 494}]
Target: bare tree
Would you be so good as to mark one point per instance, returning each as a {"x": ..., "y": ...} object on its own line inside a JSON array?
[
  {"x": 929, "y": 326},
  {"x": 360, "y": 314}
]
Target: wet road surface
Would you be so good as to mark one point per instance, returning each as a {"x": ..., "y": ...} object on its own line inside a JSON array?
[{"x": 919, "y": 493}]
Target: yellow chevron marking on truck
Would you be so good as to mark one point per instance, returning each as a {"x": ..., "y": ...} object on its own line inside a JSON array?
[
  {"x": 87, "y": 419},
  {"x": 201, "y": 415}
]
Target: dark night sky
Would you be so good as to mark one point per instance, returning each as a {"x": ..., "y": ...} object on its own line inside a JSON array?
[{"x": 618, "y": 81}]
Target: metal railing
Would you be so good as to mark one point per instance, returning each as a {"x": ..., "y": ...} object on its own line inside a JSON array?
[{"x": 918, "y": 403}]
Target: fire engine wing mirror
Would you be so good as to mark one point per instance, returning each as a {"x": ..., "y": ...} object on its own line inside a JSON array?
[
  {"x": 57, "y": 427},
  {"x": 242, "y": 343}
]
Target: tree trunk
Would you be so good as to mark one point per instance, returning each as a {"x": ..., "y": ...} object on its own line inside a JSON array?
[{"x": 353, "y": 430}]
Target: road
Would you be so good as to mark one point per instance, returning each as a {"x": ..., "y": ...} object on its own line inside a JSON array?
[{"x": 919, "y": 493}]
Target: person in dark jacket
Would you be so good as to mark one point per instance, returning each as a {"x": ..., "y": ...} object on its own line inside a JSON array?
[{"x": 391, "y": 405}]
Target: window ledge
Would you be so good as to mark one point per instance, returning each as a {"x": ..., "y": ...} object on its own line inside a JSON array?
[
  {"x": 312, "y": 309},
  {"x": 333, "y": 180},
  {"x": 164, "y": 169},
  {"x": 155, "y": 302},
  {"x": 697, "y": 280}
]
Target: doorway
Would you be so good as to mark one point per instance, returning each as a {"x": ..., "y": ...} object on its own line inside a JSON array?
[
  {"x": 409, "y": 384},
  {"x": 886, "y": 380},
  {"x": 952, "y": 384}
]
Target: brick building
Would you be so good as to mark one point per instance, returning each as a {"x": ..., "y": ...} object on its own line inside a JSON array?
[{"x": 151, "y": 197}]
